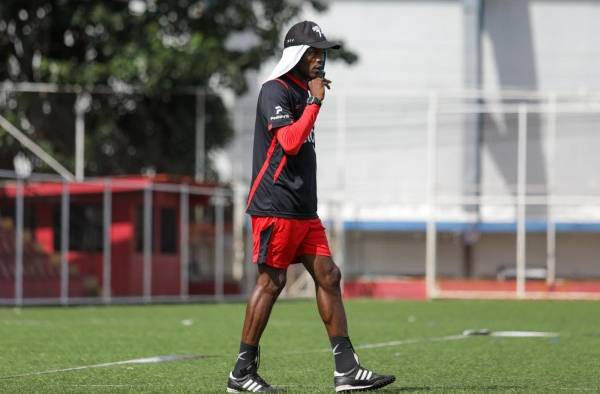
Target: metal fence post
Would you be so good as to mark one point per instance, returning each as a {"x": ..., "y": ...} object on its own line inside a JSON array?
[
  {"x": 200, "y": 134},
  {"x": 238, "y": 231},
  {"x": 184, "y": 252},
  {"x": 219, "y": 202},
  {"x": 82, "y": 104},
  {"x": 147, "y": 264},
  {"x": 64, "y": 244},
  {"x": 551, "y": 225},
  {"x": 431, "y": 234},
  {"x": 338, "y": 220},
  {"x": 250, "y": 267},
  {"x": 521, "y": 197},
  {"x": 107, "y": 244},
  {"x": 19, "y": 243}
]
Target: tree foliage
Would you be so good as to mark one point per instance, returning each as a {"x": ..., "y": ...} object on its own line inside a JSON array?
[{"x": 161, "y": 48}]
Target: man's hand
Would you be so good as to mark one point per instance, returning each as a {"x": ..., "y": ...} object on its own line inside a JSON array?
[{"x": 317, "y": 87}]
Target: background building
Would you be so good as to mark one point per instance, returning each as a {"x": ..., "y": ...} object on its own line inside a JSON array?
[
  {"x": 457, "y": 154},
  {"x": 462, "y": 70}
]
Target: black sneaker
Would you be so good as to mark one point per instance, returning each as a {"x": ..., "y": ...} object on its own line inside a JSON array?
[
  {"x": 360, "y": 379},
  {"x": 250, "y": 383}
]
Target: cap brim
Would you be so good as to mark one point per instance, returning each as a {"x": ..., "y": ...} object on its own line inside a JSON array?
[{"x": 326, "y": 45}]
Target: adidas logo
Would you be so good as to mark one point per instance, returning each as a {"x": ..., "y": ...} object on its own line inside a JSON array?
[
  {"x": 363, "y": 374},
  {"x": 251, "y": 385}
]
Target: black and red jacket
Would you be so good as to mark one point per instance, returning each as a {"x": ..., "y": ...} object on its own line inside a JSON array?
[{"x": 284, "y": 165}]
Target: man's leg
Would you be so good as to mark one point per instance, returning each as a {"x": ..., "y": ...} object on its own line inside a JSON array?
[
  {"x": 268, "y": 286},
  {"x": 327, "y": 277},
  {"x": 349, "y": 374},
  {"x": 244, "y": 377}
]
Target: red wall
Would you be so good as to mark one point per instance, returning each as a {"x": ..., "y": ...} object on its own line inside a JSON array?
[{"x": 126, "y": 262}]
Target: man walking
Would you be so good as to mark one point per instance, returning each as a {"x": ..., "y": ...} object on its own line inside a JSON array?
[{"x": 283, "y": 204}]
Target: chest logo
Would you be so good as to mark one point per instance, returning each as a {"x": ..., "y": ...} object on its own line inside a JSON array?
[{"x": 279, "y": 114}]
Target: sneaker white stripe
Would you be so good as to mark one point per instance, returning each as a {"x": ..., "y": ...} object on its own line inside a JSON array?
[
  {"x": 358, "y": 374},
  {"x": 252, "y": 386},
  {"x": 257, "y": 388},
  {"x": 364, "y": 375},
  {"x": 369, "y": 375},
  {"x": 248, "y": 383}
]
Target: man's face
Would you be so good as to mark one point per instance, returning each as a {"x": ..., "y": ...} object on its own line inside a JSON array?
[{"x": 311, "y": 63}]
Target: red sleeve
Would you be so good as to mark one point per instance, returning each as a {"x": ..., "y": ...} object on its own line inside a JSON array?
[{"x": 292, "y": 136}]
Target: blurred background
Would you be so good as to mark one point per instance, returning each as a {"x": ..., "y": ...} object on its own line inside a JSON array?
[{"x": 457, "y": 149}]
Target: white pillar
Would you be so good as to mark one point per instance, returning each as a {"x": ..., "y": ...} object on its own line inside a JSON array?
[
  {"x": 551, "y": 225},
  {"x": 200, "y": 164},
  {"x": 238, "y": 230},
  {"x": 338, "y": 219},
  {"x": 521, "y": 199},
  {"x": 431, "y": 234},
  {"x": 64, "y": 244},
  {"x": 82, "y": 104},
  {"x": 250, "y": 267},
  {"x": 184, "y": 248},
  {"x": 19, "y": 242},
  {"x": 107, "y": 241},
  {"x": 148, "y": 228},
  {"x": 219, "y": 245}
]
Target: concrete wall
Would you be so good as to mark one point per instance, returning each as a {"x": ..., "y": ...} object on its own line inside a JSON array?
[
  {"x": 403, "y": 254},
  {"x": 408, "y": 48},
  {"x": 415, "y": 47},
  {"x": 541, "y": 45},
  {"x": 547, "y": 46}
]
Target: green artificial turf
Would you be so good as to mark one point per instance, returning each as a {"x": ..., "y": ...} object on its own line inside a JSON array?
[{"x": 295, "y": 348}]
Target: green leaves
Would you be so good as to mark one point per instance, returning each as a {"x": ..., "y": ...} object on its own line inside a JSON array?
[{"x": 159, "y": 47}]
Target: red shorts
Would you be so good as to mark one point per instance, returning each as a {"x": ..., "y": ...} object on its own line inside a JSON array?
[{"x": 279, "y": 242}]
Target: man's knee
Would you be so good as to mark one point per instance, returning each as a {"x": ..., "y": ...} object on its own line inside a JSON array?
[
  {"x": 272, "y": 281},
  {"x": 332, "y": 276}
]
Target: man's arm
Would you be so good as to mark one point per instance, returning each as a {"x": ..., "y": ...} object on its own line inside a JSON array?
[{"x": 291, "y": 137}]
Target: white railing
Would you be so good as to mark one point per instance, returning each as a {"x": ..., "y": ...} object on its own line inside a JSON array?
[
  {"x": 107, "y": 192},
  {"x": 430, "y": 199}
]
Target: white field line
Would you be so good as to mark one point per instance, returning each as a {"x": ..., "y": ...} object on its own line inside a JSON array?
[
  {"x": 524, "y": 334},
  {"x": 410, "y": 341},
  {"x": 302, "y": 386},
  {"x": 162, "y": 359},
  {"x": 146, "y": 360},
  {"x": 388, "y": 344},
  {"x": 109, "y": 385},
  {"x": 510, "y": 334}
]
